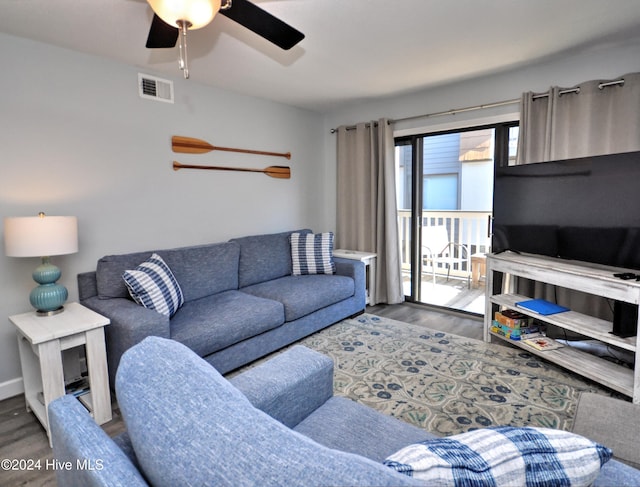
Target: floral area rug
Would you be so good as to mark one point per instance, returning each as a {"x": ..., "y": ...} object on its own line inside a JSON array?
[{"x": 445, "y": 383}]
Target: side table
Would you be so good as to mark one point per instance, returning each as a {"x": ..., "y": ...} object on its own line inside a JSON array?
[
  {"x": 41, "y": 340},
  {"x": 369, "y": 260}
]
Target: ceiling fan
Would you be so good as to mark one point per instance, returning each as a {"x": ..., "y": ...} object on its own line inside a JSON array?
[{"x": 173, "y": 18}]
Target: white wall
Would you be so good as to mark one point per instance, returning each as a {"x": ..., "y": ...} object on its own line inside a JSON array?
[
  {"x": 606, "y": 61},
  {"x": 76, "y": 139}
]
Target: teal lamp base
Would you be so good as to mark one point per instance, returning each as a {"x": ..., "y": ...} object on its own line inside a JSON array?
[{"x": 49, "y": 297}]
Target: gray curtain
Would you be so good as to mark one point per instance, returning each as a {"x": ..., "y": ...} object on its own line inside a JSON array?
[
  {"x": 593, "y": 118},
  {"x": 367, "y": 217},
  {"x": 586, "y": 120}
]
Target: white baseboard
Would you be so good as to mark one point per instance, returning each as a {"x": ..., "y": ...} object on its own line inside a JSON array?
[{"x": 11, "y": 388}]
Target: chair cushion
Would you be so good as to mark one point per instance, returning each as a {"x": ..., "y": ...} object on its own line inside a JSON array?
[
  {"x": 209, "y": 324},
  {"x": 504, "y": 456},
  {"x": 302, "y": 295},
  {"x": 188, "y": 425},
  {"x": 612, "y": 428},
  {"x": 312, "y": 253},
  {"x": 153, "y": 285},
  {"x": 346, "y": 425}
]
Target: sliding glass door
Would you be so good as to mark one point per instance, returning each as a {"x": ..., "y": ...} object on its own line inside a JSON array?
[{"x": 445, "y": 196}]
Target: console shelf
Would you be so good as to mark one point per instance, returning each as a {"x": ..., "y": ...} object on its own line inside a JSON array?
[{"x": 585, "y": 277}]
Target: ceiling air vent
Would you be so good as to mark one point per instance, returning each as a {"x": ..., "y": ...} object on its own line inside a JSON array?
[{"x": 154, "y": 88}]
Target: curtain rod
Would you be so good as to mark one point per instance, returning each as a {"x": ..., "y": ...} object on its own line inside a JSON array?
[
  {"x": 577, "y": 89},
  {"x": 485, "y": 106},
  {"x": 446, "y": 112}
]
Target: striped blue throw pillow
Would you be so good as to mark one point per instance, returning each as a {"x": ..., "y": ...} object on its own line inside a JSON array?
[
  {"x": 504, "y": 456},
  {"x": 312, "y": 253},
  {"x": 153, "y": 285}
]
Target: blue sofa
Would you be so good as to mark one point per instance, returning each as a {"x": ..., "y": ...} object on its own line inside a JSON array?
[
  {"x": 276, "y": 424},
  {"x": 241, "y": 300}
]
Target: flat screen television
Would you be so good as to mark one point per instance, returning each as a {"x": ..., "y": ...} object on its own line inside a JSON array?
[{"x": 585, "y": 209}]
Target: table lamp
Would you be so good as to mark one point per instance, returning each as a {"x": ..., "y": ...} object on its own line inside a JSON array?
[{"x": 43, "y": 236}]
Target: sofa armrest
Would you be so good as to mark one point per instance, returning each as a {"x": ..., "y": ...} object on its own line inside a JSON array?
[
  {"x": 93, "y": 458},
  {"x": 355, "y": 270},
  {"x": 290, "y": 386},
  {"x": 349, "y": 267},
  {"x": 130, "y": 324}
]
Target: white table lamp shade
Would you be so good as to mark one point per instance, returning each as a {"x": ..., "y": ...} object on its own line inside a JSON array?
[
  {"x": 40, "y": 236},
  {"x": 43, "y": 236}
]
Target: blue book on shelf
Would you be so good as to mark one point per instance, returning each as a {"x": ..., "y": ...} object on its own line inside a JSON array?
[{"x": 541, "y": 306}]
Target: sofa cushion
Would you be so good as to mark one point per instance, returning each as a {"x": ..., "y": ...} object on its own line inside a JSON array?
[
  {"x": 504, "y": 456},
  {"x": 204, "y": 270},
  {"x": 153, "y": 285},
  {"x": 212, "y": 323},
  {"x": 187, "y": 424},
  {"x": 312, "y": 253},
  {"x": 302, "y": 295},
  {"x": 201, "y": 270},
  {"x": 109, "y": 272},
  {"x": 264, "y": 257}
]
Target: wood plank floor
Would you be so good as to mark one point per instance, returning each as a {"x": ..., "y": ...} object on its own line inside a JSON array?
[
  {"x": 22, "y": 436},
  {"x": 461, "y": 324}
]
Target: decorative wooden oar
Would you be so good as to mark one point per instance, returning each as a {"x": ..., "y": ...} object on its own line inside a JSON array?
[
  {"x": 189, "y": 145},
  {"x": 280, "y": 172}
]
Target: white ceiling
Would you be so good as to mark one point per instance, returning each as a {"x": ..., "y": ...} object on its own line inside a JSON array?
[{"x": 353, "y": 50}]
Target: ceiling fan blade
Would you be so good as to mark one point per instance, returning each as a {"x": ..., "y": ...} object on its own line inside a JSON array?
[
  {"x": 161, "y": 34},
  {"x": 263, "y": 23}
]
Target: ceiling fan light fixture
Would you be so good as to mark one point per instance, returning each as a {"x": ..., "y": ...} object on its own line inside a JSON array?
[
  {"x": 197, "y": 13},
  {"x": 172, "y": 20}
]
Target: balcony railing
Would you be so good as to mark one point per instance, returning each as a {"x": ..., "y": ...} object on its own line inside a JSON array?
[{"x": 468, "y": 228}]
